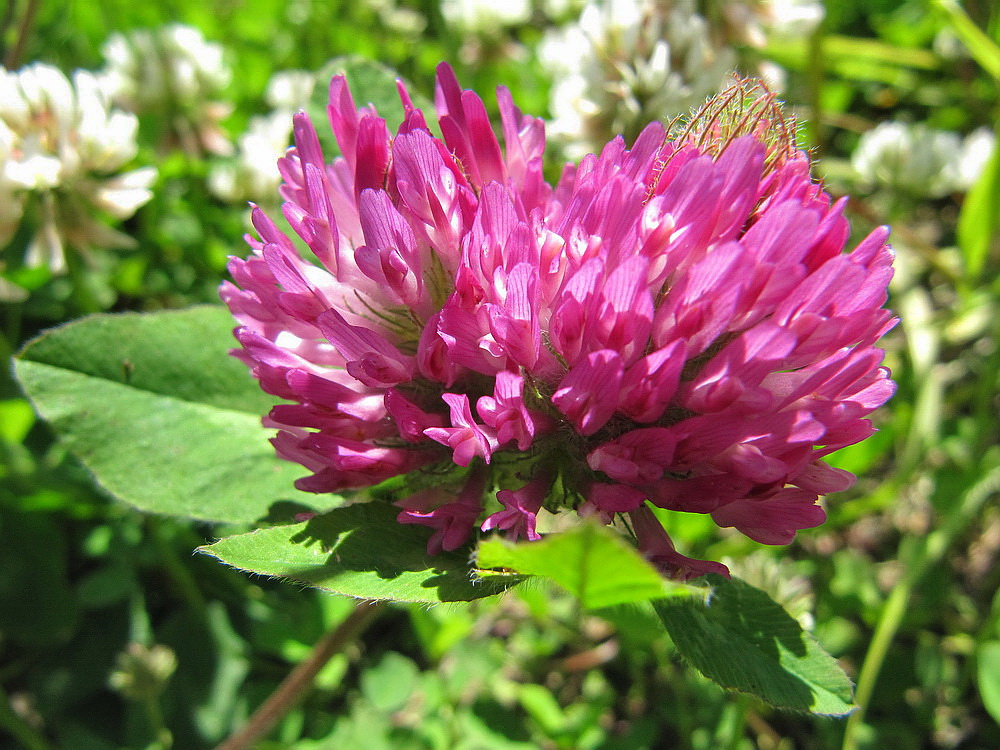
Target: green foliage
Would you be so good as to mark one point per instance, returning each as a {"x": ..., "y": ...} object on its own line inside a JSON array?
[
  {"x": 988, "y": 663},
  {"x": 979, "y": 222},
  {"x": 96, "y": 596},
  {"x": 743, "y": 640},
  {"x": 175, "y": 406},
  {"x": 592, "y": 562},
  {"x": 172, "y": 406},
  {"x": 359, "y": 551}
]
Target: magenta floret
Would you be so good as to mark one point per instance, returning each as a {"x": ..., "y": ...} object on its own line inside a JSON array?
[{"x": 675, "y": 323}]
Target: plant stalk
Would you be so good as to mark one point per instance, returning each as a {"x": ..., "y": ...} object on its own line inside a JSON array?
[
  {"x": 294, "y": 687},
  {"x": 927, "y": 555}
]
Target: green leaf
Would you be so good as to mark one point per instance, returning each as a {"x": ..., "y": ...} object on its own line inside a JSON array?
[
  {"x": 360, "y": 551},
  {"x": 165, "y": 419},
  {"x": 988, "y": 671},
  {"x": 978, "y": 230},
  {"x": 390, "y": 684},
  {"x": 743, "y": 640},
  {"x": 593, "y": 562},
  {"x": 983, "y": 49}
]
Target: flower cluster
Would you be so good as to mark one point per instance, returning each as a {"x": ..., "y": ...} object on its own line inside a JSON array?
[
  {"x": 175, "y": 73},
  {"x": 673, "y": 322},
  {"x": 627, "y": 62},
  {"x": 62, "y": 149},
  {"x": 919, "y": 161}
]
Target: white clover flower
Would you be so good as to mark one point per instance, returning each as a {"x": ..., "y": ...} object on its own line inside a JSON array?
[
  {"x": 11, "y": 199},
  {"x": 626, "y": 62},
  {"x": 62, "y": 148},
  {"x": 910, "y": 158},
  {"x": 486, "y": 28},
  {"x": 175, "y": 73},
  {"x": 977, "y": 149},
  {"x": 396, "y": 17},
  {"x": 290, "y": 90},
  {"x": 253, "y": 172},
  {"x": 754, "y": 22},
  {"x": 175, "y": 62},
  {"x": 486, "y": 17}
]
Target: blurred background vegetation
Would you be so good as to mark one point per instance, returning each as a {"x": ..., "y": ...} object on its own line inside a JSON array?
[{"x": 112, "y": 635}]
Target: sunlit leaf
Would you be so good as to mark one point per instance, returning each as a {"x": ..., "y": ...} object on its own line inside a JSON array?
[
  {"x": 988, "y": 663},
  {"x": 360, "y": 551},
  {"x": 160, "y": 413},
  {"x": 593, "y": 562},
  {"x": 979, "y": 222}
]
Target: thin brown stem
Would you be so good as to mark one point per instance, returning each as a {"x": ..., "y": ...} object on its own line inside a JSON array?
[
  {"x": 294, "y": 687},
  {"x": 14, "y": 54}
]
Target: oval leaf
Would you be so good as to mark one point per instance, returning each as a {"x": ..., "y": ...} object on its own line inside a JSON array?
[
  {"x": 360, "y": 551},
  {"x": 165, "y": 419},
  {"x": 744, "y": 640},
  {"x": 988, "y": 677}
]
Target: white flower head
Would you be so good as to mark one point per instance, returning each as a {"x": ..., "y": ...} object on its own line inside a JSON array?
[
  {"x": 254, "y": 172},
  {"x": 977, "y": 149},
  {"x": 290, "y": 90},
  {"x": 754, "y": 22},
  {"x": 174, "y": 72},
  {"x": 148, "y": 67},
  {"x": 912, "y": 158},
  {"x": 627, "y": 62},
  {"x": 486, "y": 17},
  {"x": 63, "y": 147}
]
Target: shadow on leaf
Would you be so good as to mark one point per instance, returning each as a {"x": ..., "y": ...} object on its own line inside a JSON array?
[
  {"x": 745, "y": 641},
  {"x": 365, "y": 552}
]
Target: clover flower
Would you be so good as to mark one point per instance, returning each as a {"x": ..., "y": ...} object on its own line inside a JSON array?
[
  {"x": 913, "y": 159},
  {"x": 750, "y": 25},
  {"x": 484, "y": 17},
  {"x": 175, "y": 74},
  {"x": 754, "y": 22},
  {"x": 921, "y": 161},
  {"x": 674, "y": 322},
  {"x": 977, "y": 149},
  {"x": 62, "y": 149},
  {"x": 253, "y": 172},
  {"x": 626, "y": 62}
]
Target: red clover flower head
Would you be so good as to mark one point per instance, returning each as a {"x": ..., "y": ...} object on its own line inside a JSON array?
[{"x": 674, "y": 323}]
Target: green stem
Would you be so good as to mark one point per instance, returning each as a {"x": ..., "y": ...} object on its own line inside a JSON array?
[
  {"x": 83, "y": 297},
  {"x": 179, "y": 573},
  {"x": 164, "y": 740},
  {"x": 10, "y": 337},
  {"x": 294, "y": 687},
  {"x": 925, "y": 556},
  {"x": 814, "y": 125},
  {"x": 734, "y": 728},
  {"x": 983, "y": 49}
]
